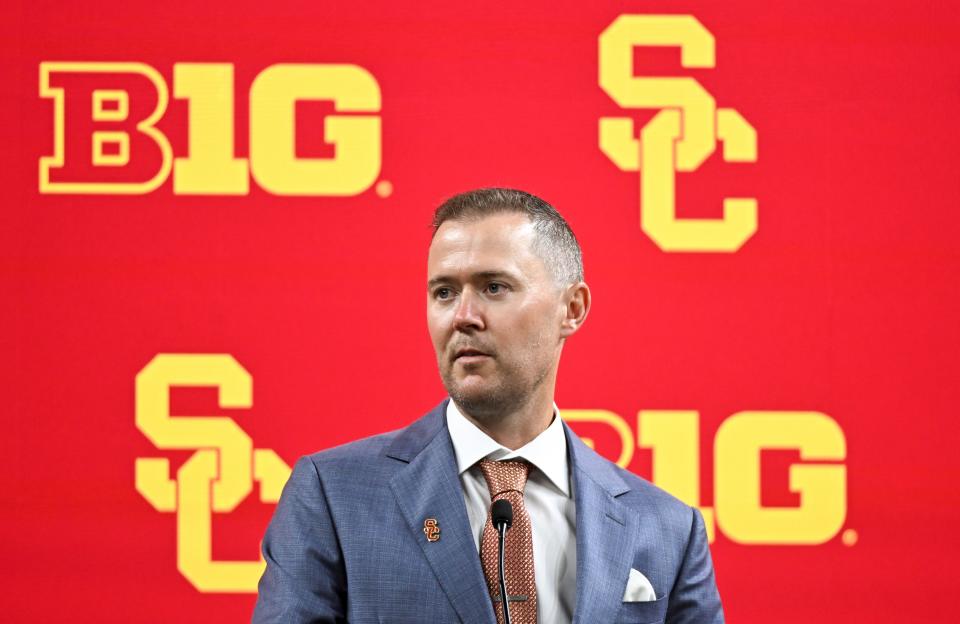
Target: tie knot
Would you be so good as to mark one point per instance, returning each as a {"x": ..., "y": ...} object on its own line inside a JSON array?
[{"x": 504, "y": 476}]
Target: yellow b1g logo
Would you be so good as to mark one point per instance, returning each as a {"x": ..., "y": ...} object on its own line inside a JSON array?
[
  {"x": 819, "y": 479},
  {"x": 679, "y": 138},
  {"x": 113, "y": 145}
]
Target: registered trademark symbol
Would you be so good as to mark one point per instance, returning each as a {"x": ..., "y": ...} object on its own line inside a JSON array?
[
  {"x": 384, "y": 188},
  {"x": 849, "y": 537}
]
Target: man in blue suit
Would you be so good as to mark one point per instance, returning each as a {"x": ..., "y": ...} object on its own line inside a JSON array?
[{"x": 395, "y": 528}]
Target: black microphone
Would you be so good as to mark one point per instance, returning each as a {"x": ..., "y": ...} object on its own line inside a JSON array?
[{"x": 501, "y": 515}]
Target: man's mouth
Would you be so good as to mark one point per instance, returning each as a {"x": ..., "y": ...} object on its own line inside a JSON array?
[{"x": 469, "y": 354}]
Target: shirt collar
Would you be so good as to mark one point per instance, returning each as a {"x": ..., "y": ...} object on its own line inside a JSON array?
[{"x": 548, "y": 451}]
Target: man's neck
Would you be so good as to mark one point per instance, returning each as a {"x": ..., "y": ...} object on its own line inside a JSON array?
[{"x": 515, "y": 429}]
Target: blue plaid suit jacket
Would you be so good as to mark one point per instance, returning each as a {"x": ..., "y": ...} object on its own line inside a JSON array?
[{"x": 346, "y": 542}]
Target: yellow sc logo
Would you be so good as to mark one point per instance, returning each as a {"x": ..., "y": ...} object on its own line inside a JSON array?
[
  {"x": 678, "y": 138},
  {"x": 225, "y": 458}
]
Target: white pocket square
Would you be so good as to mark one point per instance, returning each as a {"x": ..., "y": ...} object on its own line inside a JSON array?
[{"x": 639, "y": 588}]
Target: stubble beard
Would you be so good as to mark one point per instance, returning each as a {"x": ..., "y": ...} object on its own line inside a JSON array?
[{"x": 496, "y": 401}]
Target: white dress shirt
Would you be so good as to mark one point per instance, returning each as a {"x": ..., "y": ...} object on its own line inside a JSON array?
[{"x": 548, "y": 498}]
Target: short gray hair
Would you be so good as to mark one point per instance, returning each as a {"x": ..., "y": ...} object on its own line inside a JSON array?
[{"x": 555, "y": 242}]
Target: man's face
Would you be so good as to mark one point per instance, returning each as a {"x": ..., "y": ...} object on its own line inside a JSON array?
[{"x": 494, "y": 312}]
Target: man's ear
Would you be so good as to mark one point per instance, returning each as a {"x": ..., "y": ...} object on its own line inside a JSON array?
[{"x": 576, "y": 300}]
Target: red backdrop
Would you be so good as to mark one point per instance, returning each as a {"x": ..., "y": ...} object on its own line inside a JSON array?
[{"x": 840, "y": 306}]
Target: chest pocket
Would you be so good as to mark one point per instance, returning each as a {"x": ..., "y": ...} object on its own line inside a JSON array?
[{"x": 652, "y": 612}]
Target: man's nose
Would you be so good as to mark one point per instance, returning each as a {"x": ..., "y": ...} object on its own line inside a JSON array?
[{"x": 468, "y": 314}]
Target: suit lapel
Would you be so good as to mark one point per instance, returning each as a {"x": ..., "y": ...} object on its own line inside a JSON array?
[
  {"x": 428, "y": 486},
  {"x": 606, "y": 534}
]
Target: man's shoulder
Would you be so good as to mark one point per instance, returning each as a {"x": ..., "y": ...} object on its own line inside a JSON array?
[
  {"x": 643, "y": 492},
  {"x": 363, "y": 449},
  {"x": 639, "y": 494},
  {"x": 372, "y": 449}
]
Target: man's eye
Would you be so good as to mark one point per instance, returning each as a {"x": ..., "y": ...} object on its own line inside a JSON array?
[
  {"x": 495, "y": 288},
  {"x": 441, "y": 293}
]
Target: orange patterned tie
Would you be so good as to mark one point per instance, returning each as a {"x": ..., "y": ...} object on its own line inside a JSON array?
[{"x": 506, "y": 479}]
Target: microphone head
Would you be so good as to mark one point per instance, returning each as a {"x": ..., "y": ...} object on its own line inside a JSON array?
[{"x": 501, "y": 513}]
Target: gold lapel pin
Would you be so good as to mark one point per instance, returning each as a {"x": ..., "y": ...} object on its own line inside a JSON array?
[{"x": 431, "y": 529}]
